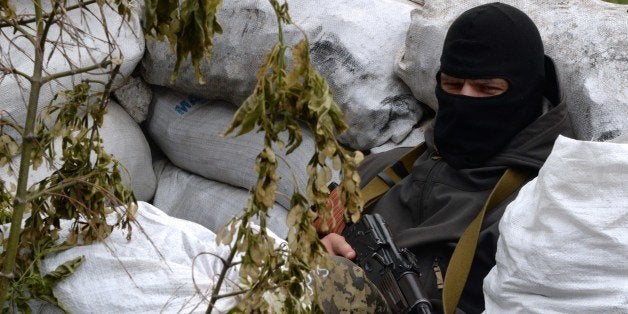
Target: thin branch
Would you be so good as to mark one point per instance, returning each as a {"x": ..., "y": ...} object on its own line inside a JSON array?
[
  {"x": 48, "y": 23},
  {"x": 12, "y": 40},
  {"x": 21, "y": 29},
  {"x": 25, "y": 21},
  {"x": 198, "y": 290},
  {"x": 126, "y": 270},
  {"x": 221, "y": 278},
  {"x": 107, "y": 92},
  {"x": 91, "y": 81},
  {"x": 55, "y": 76},
  {"x": 59, "y": 186},
  {"x": 6, "y": 70},
  {"x": 231, "y": 294}
]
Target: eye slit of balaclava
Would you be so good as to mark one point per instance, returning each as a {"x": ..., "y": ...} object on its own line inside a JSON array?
[
  {"x": 492, "y": 40},
  {"x": 439, "y": 84}
]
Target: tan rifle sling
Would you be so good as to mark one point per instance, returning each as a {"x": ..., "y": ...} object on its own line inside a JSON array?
[
  {"x": 386, "y": 179},
  {"x": 460, "y": 262}
]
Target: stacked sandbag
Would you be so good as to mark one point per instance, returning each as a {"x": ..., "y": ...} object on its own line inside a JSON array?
[
  {"x": 416, "y": 137},
  {"x": 163, "y": 269},
  {"x": 123, "y": 139},
  {"x": 353, "y": 44},
  {"x": 209, "y": 203},
  {"x": 586, "y": 39},
  {"x": 189, "y": 132},
  {"x": 563, "y": 245},
  {"x": 17, "y": 52}
]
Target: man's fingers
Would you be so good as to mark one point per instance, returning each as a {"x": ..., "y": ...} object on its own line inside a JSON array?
[
  {"x": 336, "y": 244},
  {"x": 342, "y": 248}
]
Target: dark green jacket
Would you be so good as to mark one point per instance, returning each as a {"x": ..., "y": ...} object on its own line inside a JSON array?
[{"x": 428, "y": 210}]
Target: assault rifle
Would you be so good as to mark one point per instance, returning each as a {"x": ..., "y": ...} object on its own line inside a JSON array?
[{"x": 393, "y": 271}]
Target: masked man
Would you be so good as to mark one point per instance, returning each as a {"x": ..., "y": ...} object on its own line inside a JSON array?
[{"x": 499, "y": 108}]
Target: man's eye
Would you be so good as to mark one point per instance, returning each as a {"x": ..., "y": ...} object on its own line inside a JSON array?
[
  {"x": 492, "y": 89},
  {"x": 451, "y": 85}
]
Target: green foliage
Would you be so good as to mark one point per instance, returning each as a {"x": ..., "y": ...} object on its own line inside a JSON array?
[
  {"x": 31, "y": 284},
  {"x": 84, "y": 185},
  {"x": 88, "y": 183},
  {"x": 84, "y": 189},
  {"x": 189, "y": 28},
  {"x": 284, "y": 100}
]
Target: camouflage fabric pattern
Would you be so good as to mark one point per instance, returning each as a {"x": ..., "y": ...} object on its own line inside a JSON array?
[{"x": 345, "y": 289}]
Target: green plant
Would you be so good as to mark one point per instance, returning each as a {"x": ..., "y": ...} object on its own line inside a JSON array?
[
  {"x": 83, "y": 188},
  {"x": 617, "y": 1},
  {"x": 84, "y": 184},
  {"x": 283, "y": 99}
]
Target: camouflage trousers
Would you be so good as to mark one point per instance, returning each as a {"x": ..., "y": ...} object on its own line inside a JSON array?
[{"x": 345, "y": 289}]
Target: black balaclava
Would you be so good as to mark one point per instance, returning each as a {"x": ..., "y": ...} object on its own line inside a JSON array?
[{"x": 489, "y": 41}]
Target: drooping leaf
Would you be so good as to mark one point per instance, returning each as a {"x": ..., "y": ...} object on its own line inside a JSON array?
[
  {"x": 198, "y": 25},
  {"x": 160, "y": 18}
]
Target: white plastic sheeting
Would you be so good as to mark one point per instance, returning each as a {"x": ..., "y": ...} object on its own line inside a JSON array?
[{"x": 563, "y": 246}]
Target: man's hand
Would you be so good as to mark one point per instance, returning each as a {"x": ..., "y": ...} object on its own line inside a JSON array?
[{"x": 337, "y": 245}]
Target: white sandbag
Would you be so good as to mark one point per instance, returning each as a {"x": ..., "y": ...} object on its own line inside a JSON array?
[
  {"x": 151, "y": 273},
  {"x": 189, "y": 132},
  {"x": 564, "y": 240},
  {"x": 209, "y": 203},
  {"x": 16, "y": 51},
  {"x": 123, "y": 139},
  {"x": 416, "y": 137},
  {"x": 586, "y": 39},
  {"x": 352, "y": 43},
  {"x": 621, "y": 139},
  {"x": 135, "y": 97}
]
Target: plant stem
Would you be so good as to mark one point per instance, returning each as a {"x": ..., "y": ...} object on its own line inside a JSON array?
[
  {"x": 62, "y": 185},
  {"x": 223, "y": 274},
  {"x": 20, "y": 29},
  {"x": 24, "y": 21},
  {"x": 6, "y": 70},
  {"x": 102, "y": 64},
  {"x": 27, "y": 146},
  {"x": 282, "y": 48}
]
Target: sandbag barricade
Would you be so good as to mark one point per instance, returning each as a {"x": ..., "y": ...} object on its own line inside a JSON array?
[
  {"x": 586, "y": 39},
  {"x": 123, "y": 139},
  {"x": 352, "y": 43},
  {"x": 189, "y": 132},
  {"x": 209, "y": 203},
  {"x": 563, "y": 246},
  {"x": 152, "y": 273}
]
